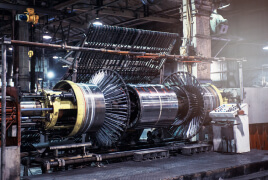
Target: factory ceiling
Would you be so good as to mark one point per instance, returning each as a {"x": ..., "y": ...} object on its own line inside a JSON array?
[{"x": 69, "y": 19}]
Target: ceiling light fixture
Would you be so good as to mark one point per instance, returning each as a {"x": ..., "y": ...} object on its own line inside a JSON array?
[
  {"x": 97, "y": 22},
  {"x": 265, "y": 48},
  {"x": 46, "y": 35},
  {"x": 50, "y": 75}
]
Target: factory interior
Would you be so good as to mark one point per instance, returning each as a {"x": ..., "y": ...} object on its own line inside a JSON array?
[{"x": 134, "y": 89}]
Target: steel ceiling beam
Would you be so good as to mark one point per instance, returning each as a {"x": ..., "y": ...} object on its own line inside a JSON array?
[
  {"x": 22, "y": 8},
  {"x": 5, "y": 17},
  {"x": 5, "y": 27},
  {"x": 87, "y": 12},
  {"x": 66, "y": 4},
  {"x": 138, "y": 15}
]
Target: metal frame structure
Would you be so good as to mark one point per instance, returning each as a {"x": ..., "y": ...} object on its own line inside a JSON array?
[
  {"x": 3, "y": 106},
  {"x": 10, "y": 112}
]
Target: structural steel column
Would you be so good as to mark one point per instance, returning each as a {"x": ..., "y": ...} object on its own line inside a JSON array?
[
  {"x": 196, "y": 34},
  {"x": 201, "y": 35},
  {"x": 241, "y": 83},
  {"x": 24, "y": 63},
  {"x": 3, "y": 123}
]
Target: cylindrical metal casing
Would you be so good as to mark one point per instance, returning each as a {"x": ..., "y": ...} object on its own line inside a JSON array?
[
  {"x": 94, "y": 108},
  {"x": 212, "y": 97},
  {"x": 157, "y": 106},
  {"x": 30, "y": 105},
  {"x": 90, "y": 106}
]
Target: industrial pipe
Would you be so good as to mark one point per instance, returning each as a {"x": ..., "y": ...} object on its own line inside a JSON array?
[
  {"x": 7, "y": 110},
  {"x": 143, "y": 54},
  {"x": 32, "y": 117},
  {"x": 10, "y": 118},
  {"x": 37, "y": 109},
  {"x": 96, "y": 157}
]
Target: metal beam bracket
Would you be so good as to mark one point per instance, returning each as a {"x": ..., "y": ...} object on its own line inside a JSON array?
[
  {"x": 5, "y": 40},
  {"x": 61, "y": 162},
  {"x": 99, "y": 157}
]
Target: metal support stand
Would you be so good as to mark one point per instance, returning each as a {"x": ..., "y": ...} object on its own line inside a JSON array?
[
  {"x": 74, "y": 75},
  {"x": 241, "y": 81},
  {"x": 43, "y": 67},
  {"x": 3, "y": 123},
  {"x": 162, "y": 74}
]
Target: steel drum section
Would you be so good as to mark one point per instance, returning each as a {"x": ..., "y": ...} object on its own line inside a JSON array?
[
  {"x": 95, "y": 108},
  {"x": 152, "y": 106}
]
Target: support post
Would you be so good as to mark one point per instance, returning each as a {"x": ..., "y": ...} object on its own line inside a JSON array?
[
  {"x": 3, "y": 123},
  {"x": 33, "y": 62},
  {"x": 74, "y": 75},
  {"x": 241, "y": 82},
  {"x": 23, "y": 61},
  {"x": 196, "y": 35},
  {"x": 201, "y": 37},
  {"x": 162, "y": 74},
  {"x": 43, "y": 67}
]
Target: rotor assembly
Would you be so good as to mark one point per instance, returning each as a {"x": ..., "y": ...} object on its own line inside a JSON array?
[{"x": 106, "y": 107}]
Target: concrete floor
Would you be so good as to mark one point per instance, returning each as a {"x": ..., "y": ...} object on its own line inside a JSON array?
[{"x": 211, "y": 165}]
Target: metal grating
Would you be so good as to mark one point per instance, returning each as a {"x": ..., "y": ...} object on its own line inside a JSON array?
[{"x": 133, "y": 69}]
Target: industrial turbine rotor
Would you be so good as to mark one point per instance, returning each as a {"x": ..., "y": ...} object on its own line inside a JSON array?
[
  {"x": 109, "y": 110},
  {"x": 117, "y": 106},
  {"x": 191, "y": 113}
]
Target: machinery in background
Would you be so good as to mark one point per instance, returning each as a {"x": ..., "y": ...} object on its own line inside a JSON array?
[
  {"x": 13, "y": 132},
  {"x": 257, "y": 112},
  {"x": 29, "y": 16},
  {"x": 231, "y": 128},
  {"x": 13, "y": 115}
]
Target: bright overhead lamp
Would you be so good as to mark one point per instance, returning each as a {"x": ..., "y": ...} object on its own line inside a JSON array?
[
  {"x": 46, "y": 35},
  {"x": 10, "y": 48},
  {"x": 50, "y": 75},
  {"x": 55, "y": 57},
  {"x": 265, "y": 48},
  {"x": 97, "y": 22}
]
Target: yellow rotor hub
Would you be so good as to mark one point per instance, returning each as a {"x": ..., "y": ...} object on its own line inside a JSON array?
[
  {"x": 218, "y": 93},
  {"x": 81, "y": 106}
]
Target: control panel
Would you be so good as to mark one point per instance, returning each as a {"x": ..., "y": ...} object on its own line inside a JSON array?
[
  {"x": 225, "y": 110},
  {"x": 230, "y": 128}
]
